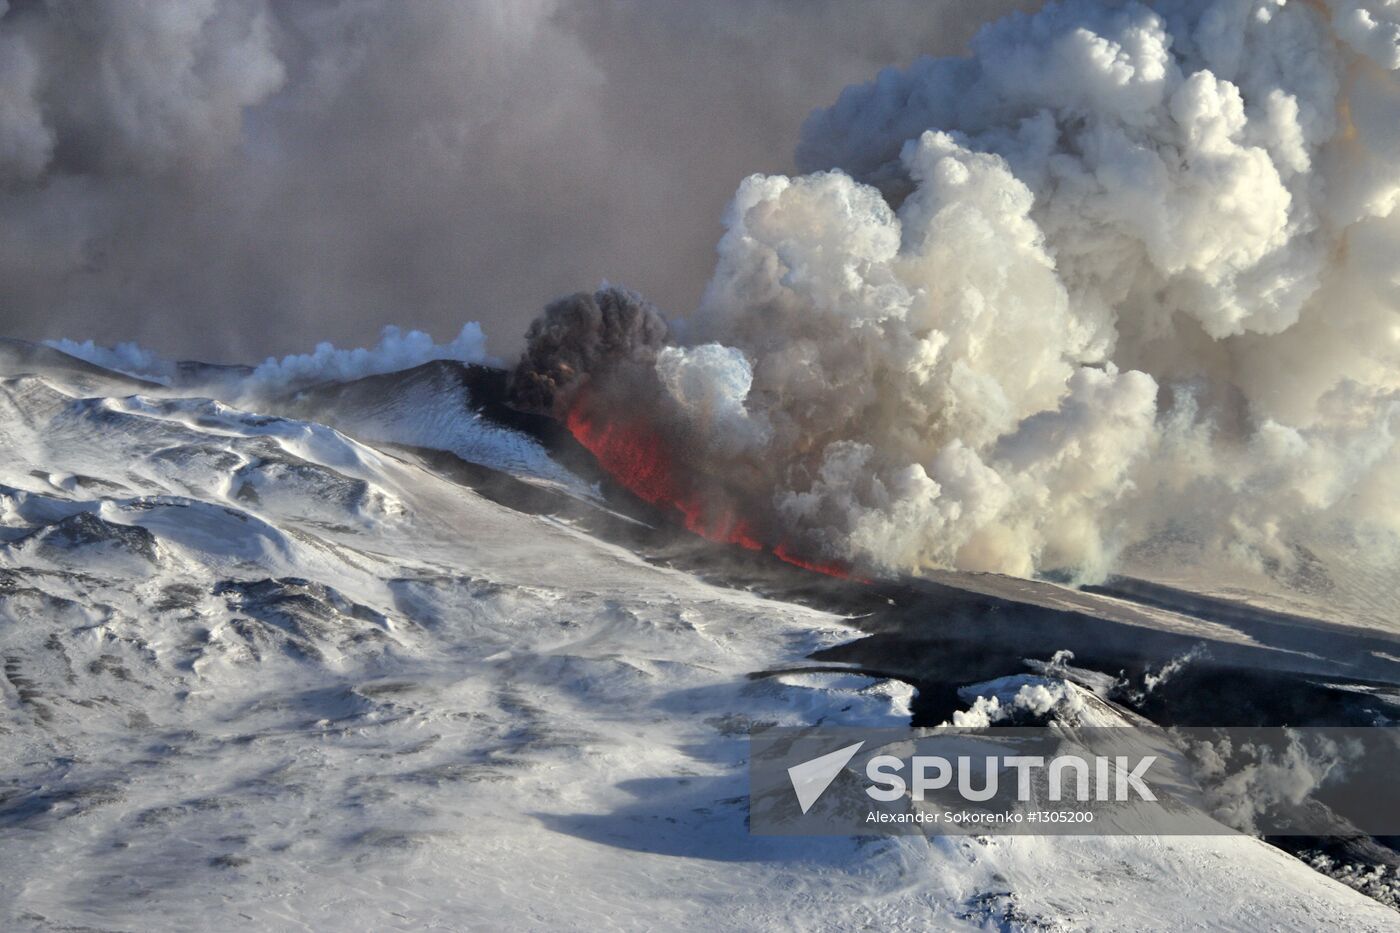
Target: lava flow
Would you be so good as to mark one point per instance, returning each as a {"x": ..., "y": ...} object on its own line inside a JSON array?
[
  {"x": 831, "y": 568},
  {"x": 635, "y": 455}
]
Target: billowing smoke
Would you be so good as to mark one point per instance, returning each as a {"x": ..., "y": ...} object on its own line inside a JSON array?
[
  {"x": 1245, "y": 782},
  {"x": 228, "y": 179},
  {"x": 612, "y": 330},
  {"x": 1119, "y": 286}
]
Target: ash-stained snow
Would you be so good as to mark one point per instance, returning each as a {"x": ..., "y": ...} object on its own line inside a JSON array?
[{"x": 261, "y": 673}]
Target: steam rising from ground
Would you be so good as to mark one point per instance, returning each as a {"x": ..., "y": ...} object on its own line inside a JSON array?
[
  {"x": 396, "y": 350},
  {"x": 1123, "y": 279}
]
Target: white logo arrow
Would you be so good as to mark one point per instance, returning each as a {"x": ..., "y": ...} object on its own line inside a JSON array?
[{"x": 811, "y": 778}]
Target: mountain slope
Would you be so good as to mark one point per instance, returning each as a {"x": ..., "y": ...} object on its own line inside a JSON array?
[{"x": 257, "y": 670}]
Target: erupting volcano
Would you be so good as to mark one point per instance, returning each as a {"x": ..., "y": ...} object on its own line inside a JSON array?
[{"x": 636, "y": 455}]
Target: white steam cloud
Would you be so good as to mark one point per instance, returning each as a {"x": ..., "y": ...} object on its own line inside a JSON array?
[
  {"x": 396, "y": 350},
  {"x": 1124, "y": 277},
  {"x": 129, "y": 357},
  {"x": 1247, "y": 781}
]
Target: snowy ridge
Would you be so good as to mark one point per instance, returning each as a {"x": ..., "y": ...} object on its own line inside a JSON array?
[{"x": 432, "y": 406}]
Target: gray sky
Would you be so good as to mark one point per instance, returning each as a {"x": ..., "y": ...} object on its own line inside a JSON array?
[{"x": 229, "y": 179}]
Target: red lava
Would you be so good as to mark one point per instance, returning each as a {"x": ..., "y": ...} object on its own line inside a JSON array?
[{"x": 634, "y": 454}]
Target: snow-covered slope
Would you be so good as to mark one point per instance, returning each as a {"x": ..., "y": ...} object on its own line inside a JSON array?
[
  {"x": 435, "y": 406},
  {"x": 259, "y": 672}
]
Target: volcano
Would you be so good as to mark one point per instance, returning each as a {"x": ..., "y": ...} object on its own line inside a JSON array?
[{"x": 354, "y": 633}]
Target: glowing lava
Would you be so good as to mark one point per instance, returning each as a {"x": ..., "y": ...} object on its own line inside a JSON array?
[
  {"x": 634, "y": 454},
  {"x": 831, "y": 568}
]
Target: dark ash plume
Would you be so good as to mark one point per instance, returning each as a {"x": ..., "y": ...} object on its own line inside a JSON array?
[{"x": 581, "y": 335}]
